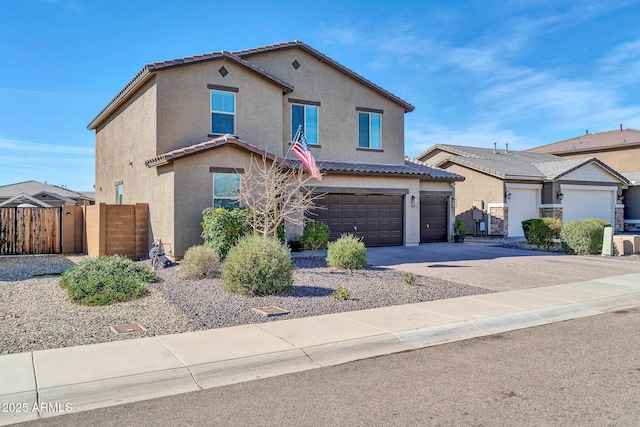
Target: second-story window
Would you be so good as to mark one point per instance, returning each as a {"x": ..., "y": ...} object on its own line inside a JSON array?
[
  {"x": 307, "y": 117},
  {"x": 223, "y": 112},
  {"x": 369, "y": 130}
]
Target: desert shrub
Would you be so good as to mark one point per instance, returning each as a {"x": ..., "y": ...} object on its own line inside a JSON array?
[
  {"x": 347, "y": 252},
  {"x": 341, "y": 293},
  {"x": 409, "y": 278},
  {"x": 199, "y": 262},
  {"x": 106, "y": 280},
  {"x": 315, "y": 236},
  {"x": 223, "y": 227},
  {"x": 583, "y": 236},
  {"x": 258, "y": 265},
  {"x": 542, "y": 231}
]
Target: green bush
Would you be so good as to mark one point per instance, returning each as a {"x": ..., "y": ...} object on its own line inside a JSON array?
[
  {"x": 341, "y": 293},
  {"x": 199, "y": 262},
  {"x": 106, "y": 280},
  {"x": 459, "y": 228},
  {"x": 223, "y": 227},
  {"x": 542, "y": 231},
  {"x": 409, "y": 278},
  {"x": 583, "y": 236},
  {"x": 348, "y": 252},
  {"x": 258, "y": 265},
  {"x": 315, "y": 236}
]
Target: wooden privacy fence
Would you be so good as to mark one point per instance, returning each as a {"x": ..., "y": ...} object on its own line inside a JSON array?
[{"x": 30, "y": 231}]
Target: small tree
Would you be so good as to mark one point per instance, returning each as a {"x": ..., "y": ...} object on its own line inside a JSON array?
[
  {"x": 275, "y": 192},
  {"x": 315, "y": 236}
]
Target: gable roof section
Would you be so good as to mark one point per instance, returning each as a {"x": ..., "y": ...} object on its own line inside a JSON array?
[
  {"x": 411, "y": 167},
  {"x": 593, "y": 142},
  {"x": 633, "y": 178},
  {"x": 237, "y": 57},
  {"x": 148, "y": 70},
  {"x": 221, "y": 141},
  {"x": 522, "y": 165},
  {"x": 324, "y": 58},
  {"x": 24, "y": 198},
  {"x": 34, "y": 188}
]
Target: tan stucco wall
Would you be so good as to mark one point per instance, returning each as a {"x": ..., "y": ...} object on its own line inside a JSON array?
[
  {"x": 184, "y": 106},
  {"x": 621, "y": 160},
  {"x": 339, "y": 95},
  {"x": 123, "y": 143},
  {"x": 476, "y": 186}
]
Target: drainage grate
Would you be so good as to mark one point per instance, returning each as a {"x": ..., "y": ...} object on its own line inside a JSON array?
[
  {"x": 270, "y": 311},
  {"x": 125, "y": 329}
]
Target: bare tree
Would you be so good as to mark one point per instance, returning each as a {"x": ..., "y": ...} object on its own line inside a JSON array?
[{"x": 276, "y": 193}]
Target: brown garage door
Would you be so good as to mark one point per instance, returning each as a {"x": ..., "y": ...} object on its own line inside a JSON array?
[
  {"x": 376, "y": 218},
  {"x": 433, "y": 219}
]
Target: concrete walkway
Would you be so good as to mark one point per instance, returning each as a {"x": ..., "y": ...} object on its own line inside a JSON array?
[{"x": 52, "y": 382}]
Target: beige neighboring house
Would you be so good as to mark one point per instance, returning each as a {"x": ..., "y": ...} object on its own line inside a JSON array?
[
  {"x": 178, "y": 135},
  {"x": 619, "y": 149},
  {"x": 38, "y": 194},
  {"x": 502, "y": 188}
]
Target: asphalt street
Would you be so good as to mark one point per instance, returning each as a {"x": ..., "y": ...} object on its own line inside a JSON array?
[{"x": 583, "y": 372}]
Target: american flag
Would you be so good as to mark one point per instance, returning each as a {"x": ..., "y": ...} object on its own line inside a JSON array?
[{"x": 301, "y": 150}]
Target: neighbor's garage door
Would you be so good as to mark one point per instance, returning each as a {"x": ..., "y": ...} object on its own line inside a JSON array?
[
  {"x": 523, "y": 205},
  {"x": 376, "y": 218},
  {"x": 588, "y": 203}
]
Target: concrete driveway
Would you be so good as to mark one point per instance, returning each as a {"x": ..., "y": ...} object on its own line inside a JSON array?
[{"x": 492, "y": 266}]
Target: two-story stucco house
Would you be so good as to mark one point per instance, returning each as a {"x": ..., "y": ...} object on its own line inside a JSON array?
[{"x": 178, "y": 135}]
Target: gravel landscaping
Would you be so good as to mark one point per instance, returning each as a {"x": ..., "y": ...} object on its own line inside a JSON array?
[{"x": 35, "y": 313}]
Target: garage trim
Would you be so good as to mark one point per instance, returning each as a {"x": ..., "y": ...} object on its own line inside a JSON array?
[{"x": 360, "y": 190}]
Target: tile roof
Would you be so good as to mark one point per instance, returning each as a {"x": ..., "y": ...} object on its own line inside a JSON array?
[
  {"x": 410, "y": 166},
  {"x": 35, "y": 187},
  {"x": 238, "y": 57},
  {"x": 598, "y": 141},
  {"x": 218, "y": 142},
  {"x": 523, "y": 165}
]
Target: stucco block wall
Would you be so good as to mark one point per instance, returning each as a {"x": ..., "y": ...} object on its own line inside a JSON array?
[
  {"x": 72, "y": 229},
  {"x": 184, "y": 106},
  {"x": 117, "y": 230},
  {"x": 339, "y": 96}
]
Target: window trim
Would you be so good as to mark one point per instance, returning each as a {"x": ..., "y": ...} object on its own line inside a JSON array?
[
  {"x": 120, "y": 194},
  {"x": 226, "y": 90},
  {"x": 305, "y": 105},
  {"x": 369, "y": 112},
  {"x": 213, "y": 187}
]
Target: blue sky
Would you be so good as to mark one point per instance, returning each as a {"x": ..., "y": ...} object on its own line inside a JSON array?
[{"x": 519, "y": 72}]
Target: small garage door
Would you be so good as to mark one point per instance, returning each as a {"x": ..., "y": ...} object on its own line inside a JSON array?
[
  {"x": 376, "y": 218},
  {"x": 433, "y": 219},
  {"x": 589, "y": 203},
  {"x": 522, "y": 205}
]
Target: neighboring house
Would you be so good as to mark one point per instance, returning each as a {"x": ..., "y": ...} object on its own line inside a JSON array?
[
  {"x": 38, "y": 194},
  {"x": 178, "y": 135},
  {"x": 619, "y": 149},
  {"x": 512, "y": 186}
]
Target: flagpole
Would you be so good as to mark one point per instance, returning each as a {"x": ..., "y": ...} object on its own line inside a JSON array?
[{"x": 295, "y": 139}]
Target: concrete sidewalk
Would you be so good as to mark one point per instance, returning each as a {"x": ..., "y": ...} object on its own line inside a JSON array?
[{"x": 53, "y": 382}]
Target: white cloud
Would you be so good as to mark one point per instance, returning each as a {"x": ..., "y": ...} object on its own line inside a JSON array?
[{"x": 36, "y": 147}]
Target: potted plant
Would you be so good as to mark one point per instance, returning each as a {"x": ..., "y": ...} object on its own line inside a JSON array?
[{"x": 459, "y": 231}]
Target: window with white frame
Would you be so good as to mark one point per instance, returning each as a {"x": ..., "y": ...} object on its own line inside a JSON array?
[
  {"x": 119, "y": 193},
  {"x": 307, "y": 117},
  {"x": 226, "y": 189},
  {"x": 369, "y": 130},
  {"x": 223, "y": 112}
]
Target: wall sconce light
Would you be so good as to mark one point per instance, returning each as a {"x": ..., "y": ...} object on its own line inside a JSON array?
[
  {"x": 68, "y": 213},
  {"x": 413, "y": 201},
  {"x": 507, "y": 194},
  {"x": 560, "y": 195}
]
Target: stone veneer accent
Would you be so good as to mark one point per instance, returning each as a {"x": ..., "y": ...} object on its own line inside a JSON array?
[
  {"x": 499, "y": 221},
  {"x": 619, "y": 226},
  {"x": 555, "y": 212}
]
